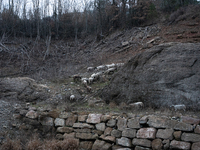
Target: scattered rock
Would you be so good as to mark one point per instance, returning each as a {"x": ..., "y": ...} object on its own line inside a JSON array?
[
  {"x": 165, "y": 134},
  {"x": 190, "y": 137},
  {"x": 129, "y": 133},
  {"x": 121, "y": 123},
  {"x": 177, "y": 135},
  {"x": 94, "y": 118},
  {"x": 157, "y": 144}
]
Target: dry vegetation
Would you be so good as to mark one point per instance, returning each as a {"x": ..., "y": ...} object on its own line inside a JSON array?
[{"x": 38, "y": 144}]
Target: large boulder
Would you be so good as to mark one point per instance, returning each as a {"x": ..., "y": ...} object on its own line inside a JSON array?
[
  {"x": 22, "y": 88},
  {"x": 164, "y": 75}
]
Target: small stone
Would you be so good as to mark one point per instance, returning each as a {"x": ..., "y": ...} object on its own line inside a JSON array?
[
  {"x": 165, "y": 134},
  {"x": 130, "y": 133},
  {"x": 157, "y": 144},
  {"x": 116, "y": 133},
  {"x": 121, "y": 124},
  {"x": 32, "y": 114},
  {"x": 123, "y": 142},
  {"x": 180, "y": 145},
  {"x": 146, "y": 133},
  {"x": 59, "y": 122},
  {"x": 196, "y": 146},
  {"x": 141, "y": 142},
  {"x": 100, "y": 126},
  {"x": 133, "y": 123},
  {"x": 177, "y": 135}
]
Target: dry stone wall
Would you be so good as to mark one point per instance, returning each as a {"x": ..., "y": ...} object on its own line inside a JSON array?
[{"x": 120, "y": 131}]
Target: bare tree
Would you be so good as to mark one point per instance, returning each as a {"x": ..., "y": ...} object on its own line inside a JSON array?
[{"x": 36, "y": 4}]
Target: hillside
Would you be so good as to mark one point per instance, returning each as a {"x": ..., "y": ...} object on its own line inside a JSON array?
[{"x": 156, "y": 64}]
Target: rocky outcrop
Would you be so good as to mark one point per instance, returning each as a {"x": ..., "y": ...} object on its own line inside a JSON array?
[
  {"x": 23, "y": 89},
  {"x": 164, "y": 75}
]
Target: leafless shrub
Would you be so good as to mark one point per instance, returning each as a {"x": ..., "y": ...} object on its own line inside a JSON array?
[
  {"x": 11, "y": 145},
  {"x": 70, "y": 144},
  {"x": 34, "y": 144}
]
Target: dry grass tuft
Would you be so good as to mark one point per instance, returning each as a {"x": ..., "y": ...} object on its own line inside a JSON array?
[
  {"x": 34, "y": 144},
  {"x": 11, "y": 145}
]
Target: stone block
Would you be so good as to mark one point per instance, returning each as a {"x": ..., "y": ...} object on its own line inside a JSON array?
[
  {"x": 111, "y": 123},
  {"x": 108, "y": 131},
  {"x": 59, "y": 122},
  {"x": 84, "y": 130},
  {"x": 157, "y": 144},
  {"x": 197, "y": 129},
  {"x": 59, "y": 136},
  {"x": 123, "y": 142},
  {"x": 121, "y": 123},
  {"x": 83, "y": 125},
  {"x": 180, "y": 145},
  {"x": 64, "y": 130},
  {"x": 141, "y": 142},
  {"x": 146, "y": 133},
  {"x": 101, "y": 145},
  {"x": 141, "y": 148},
  {"x": 64, "y": 115},
  {"x": 190, "y": 137},
  {"x": 165, "y": 134},
  {"x": 69, "y": 135},
  {"x": 177, "y": 135},
  {"x": 196, "y": 146},
  {"x": 47, "y": 121},
  {"x": 71, "y": 120},
  {"x": 116, "y": 133},
  {"x": 166, "y": 144},
  {"x": 86, "y": 145},
  {"x": 190, "y": 120},
  {"x": 128, "y": 132},
  {"x": 143, "y": 120},
  {"x": 100, "y": 126},
  {"x": 82, "y": 118},
  {"x": 183, "y": 127},
  {"x": 105, "y": 118},
  {"x": 134, "y": 123},
  {"x": 94, "y": 118},
  {"x": 108, "y": 138},
  {"x": 86, "y": 136},
  {"x": 161, "y": 122},
  {"x": 97, "y": 132}
]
